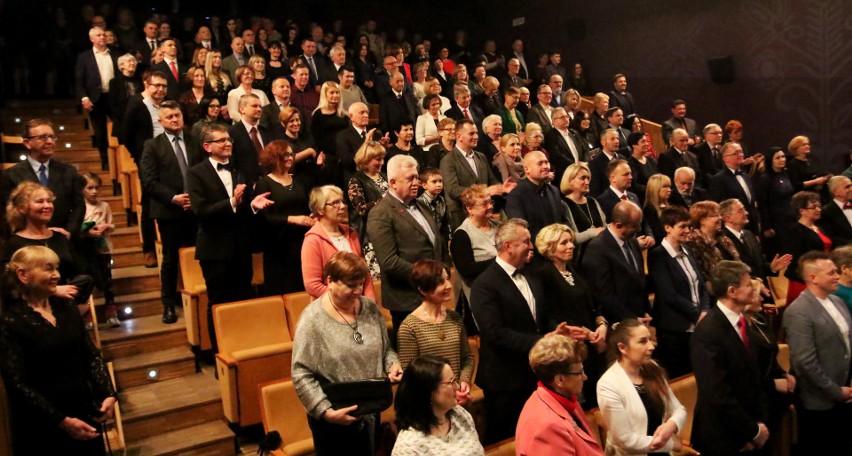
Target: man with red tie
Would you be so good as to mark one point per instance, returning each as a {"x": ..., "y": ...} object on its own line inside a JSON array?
[
  {"x": 249, "y": 139},
  {"x": 464, "y": 109},
  {"x": 175, "y": 71}
]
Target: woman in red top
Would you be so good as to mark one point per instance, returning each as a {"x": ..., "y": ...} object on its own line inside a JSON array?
[{"x": 803, "y": 237}]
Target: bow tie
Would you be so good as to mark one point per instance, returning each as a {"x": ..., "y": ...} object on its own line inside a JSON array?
[
  {"x": 221, "y": 166},
  {"x": 518, "y": 272},
  {"x": 847, "y": 205}
]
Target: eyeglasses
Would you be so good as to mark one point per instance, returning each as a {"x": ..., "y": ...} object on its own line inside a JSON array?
[
  {"x": 813, "y": 206},
  {"x": 221, "y": 141},
  {"x": 456, "y": 384},
  {"x": 159, "y": 86},
  {"x": 338, "y": 203},
  {"x": 485, "y": 204},
  {"x": 43, "y": 137},
  {"x": 215, "y": 106},
  {"x": 582, "y": 372}
]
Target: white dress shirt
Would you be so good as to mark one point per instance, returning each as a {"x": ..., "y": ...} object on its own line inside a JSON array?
[{"x": 521, "y": 282}]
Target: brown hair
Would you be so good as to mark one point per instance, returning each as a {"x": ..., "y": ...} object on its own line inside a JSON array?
[
  {"x": 469, "y": 195},
  {"x": 272, "y": 156},
  {"x": 346, "y": 267},
  {"x": 286, "y": 114},
  {"x": 553, "y": 355},
  {"x": 700, "y": 210},
  {"x": 426, "y": 275},
  {"x": 653, "y": 376},
  {"x": 18, "y": 201}
]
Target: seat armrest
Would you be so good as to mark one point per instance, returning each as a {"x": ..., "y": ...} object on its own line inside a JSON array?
[
  {"x": 262, "y": 351},
  {"x": 226, "y": 360}
]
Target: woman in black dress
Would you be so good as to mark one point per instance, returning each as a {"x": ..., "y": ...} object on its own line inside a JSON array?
[
  {"x": 58, "y": 386},
  {"x": 365, "y": 70},
  {"x": 276, "y": 67},
  {"x": 803, "y": 174},
  {"x": 262, "y": 81},
  {"x": 123, "y": 86},
  {"x": 306, "y": 158},
  {"x": 642, "y": 165},
  {"x": 659, "y": 190},
  {"x": 581, "y": 124},
  {"x": 584, "y": 214},
  {"x": 774, "y": 190},
  {"x": 575, "y": 305},
  {"x": 218, "y": 81},
  {"x": 328, "y": 119},
  {"x": 285, "y": 223}
]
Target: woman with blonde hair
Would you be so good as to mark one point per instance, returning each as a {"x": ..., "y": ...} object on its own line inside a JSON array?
[
  {"x": 508, "y": 161},
  {"x": 366, "y": 188},
  {"x": 261, "y": 81},
  {"x": 657, "y": 193},
  {"x": 804, "y": 174},
  {"x": 218, "y": 81},
  {"x": 584, "y": 213},
  {"x": 641, "y": 412},
  {"x": 245, "y": 76},
  {"x": 328, "y": 119}
]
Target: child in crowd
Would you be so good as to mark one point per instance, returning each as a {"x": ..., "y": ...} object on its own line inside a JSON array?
[
  {"x": 433, "y": 186},
  {"x": 95, "y": 247}
]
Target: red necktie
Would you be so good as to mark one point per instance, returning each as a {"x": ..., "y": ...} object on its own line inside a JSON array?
[
  {"x": 624, "y": 197},
  {"x": 174, "y": 70},
  {"x": 466, "y": 114},
  {"x": 255, "y": 140},
  {"x": 741, "y": 323},
  {"x": 847, "y": 205}
]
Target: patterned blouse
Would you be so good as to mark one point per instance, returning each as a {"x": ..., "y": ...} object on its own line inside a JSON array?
[
  {"x": 462, "y": 439},
  {"x": 709, "y": 252}
]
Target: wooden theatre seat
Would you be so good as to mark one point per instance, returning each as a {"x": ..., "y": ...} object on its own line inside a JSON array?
[
  {"x": 254, "y": 347},
  {"x": 194, "y": 297},
  {"x": 282, "y": 411}
]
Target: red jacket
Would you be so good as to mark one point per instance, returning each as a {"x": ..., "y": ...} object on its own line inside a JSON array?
[
  {"x": 545, "y": 427},
  {"x": 317, "y": 250}
]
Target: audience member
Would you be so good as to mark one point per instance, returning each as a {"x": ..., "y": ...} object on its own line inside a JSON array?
[
  {"x": 659, "y": 190},
  {"x": 680, "y": 298},
  {"x": 774, "y": 190},
  {"x": 492, "y": 127},
  {"x": 731, "y": 182},
  {"x": 581, "y": 125},
  {"x": 329, "y": 235},
  {"x": 709, "y": 153},
  {"x": 472, "y": 245},
  {"x": 842, "y": 257},
  {"x": 463, "y": 108},
  {"x": 508, "y": 161},
  {"x": 706, "y": 240},
  {"x": 95, "y": 248},
  {"x": 620, "y": 177},
  {"x": 613, "y": 264},
  {"x": 817, "y": 327},
  {"x": 219, "y": 78},
  {"x": 405, "y": 145},
  {"x": 94, "y": 71},
  {"x": 615, "y": 120},
  {"x": 338, "y": 317},
  {"x": 600, "y": 164},
  {"x": 166, "y": 160},
  {"x": 535, "y": 200},
  {"x": 426, "y": 134},
  {"x": 598, "y": 114},
  {"x": 366, "y": 188},
  {"x": 302, "y": 95},
  {"x": 430, "y": 419},
  {"x": 174, "y": 70},
  {"x": 58, "y": 385},
  {"x": 641, "y": 164},
  {"x": 835, "y": 222},
  {"x": 350, "y": 92},
  {"x": 678, "y": 120},
  {"x": 687, "y": 193},
  {"x": 541, "y": 112},
  {"x": 640, "y": 411},
  {"x": 306, "y": 159},
  {"x": 262, "y": 81},
  {"x": 620, "y": 98},
  {"x": 280, "y": 100},
  {"x": 249, "y": 138},
  {"x": 432, "y": 196},
  {"x": 328, "y": 119},
  {"x": 245, "y": 76},
  {"x": 804, "y": 174},
  {"x": 402, "y": 231},
  {"x": 552, "y": 421},
  {"x": 678, "y": 155},
  {"x": 211, "y": 112},
  {"x": 731, "y": 412},
  {"x": 350, "y": 140},
  {"x": 563, "y": 145},
  {"x": 190, "y": 101},
  {"x": 803, "y": 237},
  {"x": 584, "y": 215},
  {"x": 122, "y": 87}
]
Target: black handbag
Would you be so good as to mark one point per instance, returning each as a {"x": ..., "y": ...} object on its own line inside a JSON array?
[{"x": 371, "y": 396}]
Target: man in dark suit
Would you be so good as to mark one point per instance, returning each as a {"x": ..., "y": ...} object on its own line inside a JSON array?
[
  {"x": 349, "y": 140},
  {"x": 510, "y": 308},
  {"x": 558, "y": 93},
  {"x": 280, "y": 100},
  {"x": 709, "y": 153},
  {"x": 464, "y": 167},
  {"x": 731, "y": 182},
  {"x": 686, "y": 193},
  {"x": 221, "y": 203},
  {"x": 382, "y": 83},
  {"x": 518, "y": 53},
  {"x": 818, "y": 332},
  {"x": 535, "y": 199},
  {"x": 614, "y": 267},
  {"x": 542, "y": 112},
  {"x": 620, "y": 178},
  {"x": 678, "y": 155},
  {"x": 315, "y": 62},
  {"x": 511, "y": 78},
  {"x": 400, "y": 104},
  {"x": 562, "y": 144},
  {"x": 736, "y": 218},
  {"x": 463, "y": 108},
  {"x": 249, "y": 139},
  {"x": 93, "y": 89},
  {"x": 615, "y": 120},
  {"x": 235, "y": 60},
  {"x": 175, "y": 71},
  {"x": 619, "y": 97},
  {"x": 62, "y": 179},
  {"x": 146, "y": 47},
  {"x": 166, "y": 160},
  {"x": 836, "y": 219},
  {"x": 403, "y": 231},
  {"x": 141, "y": 123},
  {"x": 731, "y": 408},
  {"x": 679, "y": 120},
  {"x": 598, "y": 165}
]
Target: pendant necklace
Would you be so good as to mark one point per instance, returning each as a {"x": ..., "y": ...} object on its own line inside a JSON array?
[{"x": 359, "y": 339}]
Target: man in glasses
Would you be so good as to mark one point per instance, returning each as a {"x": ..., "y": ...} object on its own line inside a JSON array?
[
  {"x": 39, "y": 166},
  {"x": 731, "y": 182}
]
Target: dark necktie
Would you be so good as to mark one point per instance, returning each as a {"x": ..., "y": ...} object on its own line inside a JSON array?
[
  {"x": 363, "y": 135},
  {"x": 250, "y": 50},
  {"x": 255, "y": 140},
  {"x": 630, "y": 258},
  {"x": 181, "y": 160},
  {"x": 221, "y": 166},
  {"x": 42, "y": 175},
  {"x": 153, "y": 45}
]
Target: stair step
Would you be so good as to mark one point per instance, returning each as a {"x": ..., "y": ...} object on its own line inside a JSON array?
[
  {"x": 125, "y": 237},
  {"x": 115, "y": 203},
  {"x": 140, "y": 304},
  {"x": 154, "y": 409},
  {"x": 170, "y": 363},
  {"x": 135, "y": 279},
  {"x": 127, "y": 256},
  {"x": 209, "y": 439},
  {"x": 142, "y": 335}
]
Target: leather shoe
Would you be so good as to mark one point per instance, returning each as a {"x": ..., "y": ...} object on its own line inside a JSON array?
[
  {"x": 169, "y": 315},
  {"x": 150, "y": 260}
]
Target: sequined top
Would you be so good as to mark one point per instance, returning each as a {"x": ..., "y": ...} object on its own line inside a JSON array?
[
  {"x": 462, "y": 439},
  {"x": 324, "y": 351}
]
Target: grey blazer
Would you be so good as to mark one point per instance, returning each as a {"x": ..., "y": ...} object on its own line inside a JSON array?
[
  {"x": 458, "y": 176},
  {"x": 818, "y": 353},
  {"x": 399, "y": 241}
]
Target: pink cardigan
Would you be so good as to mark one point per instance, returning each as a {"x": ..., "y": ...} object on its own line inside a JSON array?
[
  {"x": 317, "y": 250},
  {"x": 545, "y": 427}
]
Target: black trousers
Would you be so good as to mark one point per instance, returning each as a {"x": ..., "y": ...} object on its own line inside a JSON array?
[
  {"x": 502, "y": 410},
  {"x": 357, "y": 439},
  {"x": 227, "y": 281},
  {"x": 175, "y": 234},
  {"x": 98, "y": 117},
  {"x": 824, "y": 431},
  {"x": 149, "y": 233}
]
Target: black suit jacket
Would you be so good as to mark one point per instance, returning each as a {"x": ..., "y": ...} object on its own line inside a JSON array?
[
  {"x": 87, "y": 77},
  {"x": 246, "y": 159},
  {"x": 393, "y": 109},
  {"x": 669, "y": 161},
  {"x": 320, "y": 63},
  {"x": 456, "y": 113},
  {"x": 560, "y": 152},
  {"x": 751, "y": 253},
  {"x": 672, "y": 124},
  {"x": 538, "y": 205},
  {"x": 674, "y": 309},
  {"x": 623, "y": 101},
  {"x": 709, "y": 165},
  {"x": 507, "y": 329},
  {"x": 69, "y": 207},
  {"x": 724, "y": 185},
  {"x": 730, "y": 398},
  {"x": 176, "y": 86},
  {"x": 698, "y": 194},
  {"x": 599, "y": 179},
  {"x": 269, "y": 118},
  {"x": 620, "y": 290},
  {"x": 835, "y": 225},
  {"x": 348, "y": 142},
  {"x": 798, "y": 240},
  {"x": 223, "y": 234},
  {"x": 138, "y": 127},
  {"x": 160, "y": 173},
  {"x": 608, "y": 199}
]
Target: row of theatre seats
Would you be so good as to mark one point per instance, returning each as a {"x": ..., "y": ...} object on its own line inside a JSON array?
[{"x": 255, "y": 339}]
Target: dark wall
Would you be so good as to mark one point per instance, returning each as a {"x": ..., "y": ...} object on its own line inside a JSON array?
[{"x": 793, "y": 61}]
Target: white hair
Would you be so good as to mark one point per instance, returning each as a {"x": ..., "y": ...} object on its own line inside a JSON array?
[{"x": 399, "y": 163}]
